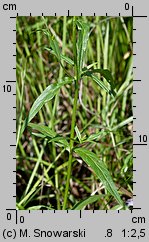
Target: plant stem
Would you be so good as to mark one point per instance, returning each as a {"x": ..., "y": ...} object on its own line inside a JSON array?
[{"x": 73, "y": 122}]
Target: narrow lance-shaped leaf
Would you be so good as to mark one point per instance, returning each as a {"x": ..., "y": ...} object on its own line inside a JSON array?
[
  {"x": 45, "y": 96},
  {"x": 83, "y": 35},
  {"x": 63, "y": 57},
  {"x": 99, "y": 82},
  {"x": 78, "y": 133},
  {"x": 106, "y": 74},
  {"x": 53, "y": 42},
  {"x": 50, "y": 134},
  {"x": 61, "y": 141},
  {"x": 46, "y": 131},
  {"x": 100, "y": 170},
  {"x": 95, "y": 136}
]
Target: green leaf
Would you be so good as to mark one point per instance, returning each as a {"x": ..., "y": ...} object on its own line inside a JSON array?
[
  {"x": 83, "y": 35},
  {"x": 101, "y": 84},
  {"x": 54, "y": 45},
  {"x": 45, "y": 96},
  {"x": 53, "y": 42},
  {"x": 52, "y": 136},
  {"x": 63, "y": 57},
  {"x": 106, "y": 74},
  {"x": 61, "y": 141},
  {"x": 78, "y": 134},
  {"x": 100, "y": 170},
  {"x": 39, "y": 135},
  {"x": 95, "y": 136},
  {"x": 80, "y": 205},
  {"x": 67, "y": 60},
  {"x": 45, "y": 130}
]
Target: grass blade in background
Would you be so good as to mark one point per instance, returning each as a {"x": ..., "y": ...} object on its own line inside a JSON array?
[
  {"x": 123, "y": 123},
  {"x": 100, "y": 170},
  {"x": 84, "y": 203}
]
